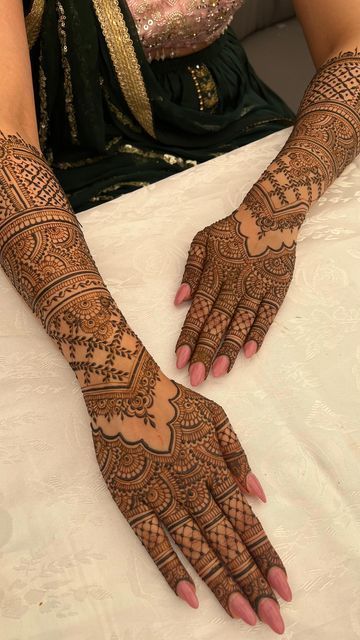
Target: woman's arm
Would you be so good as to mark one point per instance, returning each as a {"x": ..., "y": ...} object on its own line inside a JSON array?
[
  {"x": 169, "y": 457},
  {"x": 17, "y": 104},
  {"x": 239, "y": 270}
]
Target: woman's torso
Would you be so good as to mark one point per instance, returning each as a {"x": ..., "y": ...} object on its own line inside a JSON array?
[{"x": 173, "y": 28}]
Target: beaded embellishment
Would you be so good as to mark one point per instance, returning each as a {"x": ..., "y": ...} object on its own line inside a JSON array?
[
  {"x": 167, "y": 26},
  {"x": 205, "y": 87}
]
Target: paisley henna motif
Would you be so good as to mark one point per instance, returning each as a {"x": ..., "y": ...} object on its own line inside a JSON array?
[
  {"x": 191, "y": 491},
  {"x": 44, "y": 253},
  {"x": 243, "y": 295},
  {"x": 239, "y": 269},
  {"x": 169, "y": 457}
]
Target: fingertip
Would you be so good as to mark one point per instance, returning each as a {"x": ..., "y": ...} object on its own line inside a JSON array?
[
  {"x": 250, "y": 348},
  {"x": 182, "y": 356},
  {"x": 240, "y": 608},
  {"x": 220, "y": 366},
  {"x": 197, "y": 373},
  {"x": 254, "y": 487},
  {"x": 269, "y": 612},
  {"x": 186, "y": 591},
  {"x": 183, "y": 293},
  {"x": 278, "y": 580}
]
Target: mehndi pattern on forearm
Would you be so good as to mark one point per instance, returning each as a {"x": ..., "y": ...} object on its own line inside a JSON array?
[
  {"x": 239, "y": 269},
  {"x": 44, "y": 254},
  {"x": 324, "y": 140}
]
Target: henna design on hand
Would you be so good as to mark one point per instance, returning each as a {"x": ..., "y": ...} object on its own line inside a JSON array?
[
  {"x": 239, "y": 269},
  {"x": 44, "y": 254},
  {"x": 185, "y": 485},
  {"x": 169, "y": 457},
  {"x": 237, "y": 294}
]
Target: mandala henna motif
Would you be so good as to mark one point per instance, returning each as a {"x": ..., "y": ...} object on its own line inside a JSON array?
[
  {"x": 190, "y": 491},
  {"x": 239, "y": 269},
  {"x": 251, "y": 290},
  {"x": 44, "y": 253},
  {"x": 168, "y": 456}
]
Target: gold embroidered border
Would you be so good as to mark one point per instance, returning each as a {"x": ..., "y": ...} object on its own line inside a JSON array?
[
  {"x": 128, "y": 148},
  {"x": 125, "y": 61},
  {"x": 119, "y": 115},
  {"x": 33, "y": 21},
  {"x": 205, "y": 87}
]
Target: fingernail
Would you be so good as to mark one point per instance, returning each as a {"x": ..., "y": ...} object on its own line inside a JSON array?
[
  {"x": 220, "y": 366},
  {"x": 269, "y": 612},
  {"x": 278, "y": 580},
  {"x": 182, "y": 356},
  {"x": 253, "y": 486},
  {"x": 240, "y": 608},
  {"x": 250, "y": 348},
  {"x": 197, "y": 373},
  {"x": 182, "y": 293},
  {"x": 186, "y": 591}
]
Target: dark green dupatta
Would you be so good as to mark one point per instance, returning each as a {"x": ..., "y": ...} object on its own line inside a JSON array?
[{"x": 110, "y": 122}]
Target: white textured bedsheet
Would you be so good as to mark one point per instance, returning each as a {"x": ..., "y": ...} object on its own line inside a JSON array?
[{"x": 70, "y": 566}]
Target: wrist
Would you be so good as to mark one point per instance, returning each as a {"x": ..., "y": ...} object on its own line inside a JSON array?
[{"x": 265, "y": 228}]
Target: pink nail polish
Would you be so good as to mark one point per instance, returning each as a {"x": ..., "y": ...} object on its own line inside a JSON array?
[
  {"x": 220, "y": 366},
  {"x": 240, "y": 608},
  {"x": 197, "y": 373},
  {"x": 183, "y": 354},
  {"x": 182, "y": 293},
  {"x": 253, "y": 486},
  {"x": 269, "y": 612},
  {"x": 278, "y": 580},
  {"x": 250, "y": 348},
  {"x": 186, "y": 591}
]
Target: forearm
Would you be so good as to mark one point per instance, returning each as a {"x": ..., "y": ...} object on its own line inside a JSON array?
[
  {"x": 44, "y": 253},
  {"x": 325, "y": 139}
]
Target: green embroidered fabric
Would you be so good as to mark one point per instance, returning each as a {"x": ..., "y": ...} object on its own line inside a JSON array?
[{"x": 89, "y": 135}]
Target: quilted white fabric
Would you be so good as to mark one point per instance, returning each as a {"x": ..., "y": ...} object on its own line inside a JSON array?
[{"x": 71, "y": 567}]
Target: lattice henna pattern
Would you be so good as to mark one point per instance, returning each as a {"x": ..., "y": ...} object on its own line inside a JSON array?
[
  {"x": 169, "y": 457},
  {"x": 44, "y": 253},
  {"x": 239, "y": 269},
  {"x": 188, "y": 489}
]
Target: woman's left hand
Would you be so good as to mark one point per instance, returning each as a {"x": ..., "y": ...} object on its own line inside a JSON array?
[{"x": 237, "y": 274}]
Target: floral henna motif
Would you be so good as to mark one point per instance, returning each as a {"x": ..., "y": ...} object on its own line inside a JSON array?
[
  {"x": 239, "y": 269},
  {"x": 248, "y": 293},
  {"x": 168, "y": 456},
  {"x": 44, "y": 253},
  {"x": 190, "y": 491}
]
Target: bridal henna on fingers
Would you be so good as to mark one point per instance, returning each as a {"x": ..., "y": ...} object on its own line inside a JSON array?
[
  {"x": 242, "y": 283},
  {"x": 239, "y": 269},
  {"x": 177, "y": 473},
  {"x": 169, "y": 457}
]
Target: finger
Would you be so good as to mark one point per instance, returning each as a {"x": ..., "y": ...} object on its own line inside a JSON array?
[
  {"x": 234, "y": 455},
  {"x": 239, "y": 327},
  {"x": 199, "y": 310},
  {"x": 237, "y": 509},
  {"x": 230, "y": 446},
  {"x": 264, "y": 318},
  {"x": 193, "y": 268},
  {"x": 213, "y": 330},
  {"x": 189, "y": 538},
  {"x": 149, "y": 530},
  {"x": 227, "y": 543}
]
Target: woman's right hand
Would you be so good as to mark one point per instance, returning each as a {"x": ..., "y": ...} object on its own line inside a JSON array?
[
  {"x": 171, "y": 460},
  {"x": 168, "y": 455}
]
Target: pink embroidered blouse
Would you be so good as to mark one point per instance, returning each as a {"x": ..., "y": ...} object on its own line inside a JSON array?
[{"x": 168, "y": 28}]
